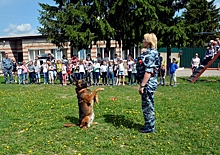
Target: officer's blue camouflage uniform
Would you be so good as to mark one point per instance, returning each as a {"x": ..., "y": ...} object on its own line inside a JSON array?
[
  {"x": 150, "y": 60},
  {"x": 7, "y": 66}
]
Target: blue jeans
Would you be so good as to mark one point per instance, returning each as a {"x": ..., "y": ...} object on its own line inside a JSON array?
[
  {"x": 20, "y": 77},
  {"x": 45, "y": 77},
  {"x": 81, "y": 75},
  {"x": 25, "y": 77},
  {"x": 96, "y": 77},
  {"x": 76, "y": 76},
  {"x": 31, "y": 75},
  {"x": 111, "y": 76}
]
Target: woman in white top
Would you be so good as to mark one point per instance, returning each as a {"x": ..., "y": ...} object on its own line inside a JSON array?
[
  {"x": 103, "y": 72},
  {"x": 81, "y": 69},
  {"x": 195, "y": 62}
]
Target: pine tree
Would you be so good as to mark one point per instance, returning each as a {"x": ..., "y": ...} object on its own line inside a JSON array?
[{"x": 198, "y": 19}]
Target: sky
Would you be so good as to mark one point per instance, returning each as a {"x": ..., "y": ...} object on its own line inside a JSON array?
[{"x": 19, "y": 17}]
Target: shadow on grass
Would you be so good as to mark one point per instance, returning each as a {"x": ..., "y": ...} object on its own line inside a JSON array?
[
  {"x": 120, "y": 120},
  {"x": 72, "y": 119}
]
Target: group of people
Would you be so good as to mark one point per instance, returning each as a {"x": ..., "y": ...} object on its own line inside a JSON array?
[
  {"x": 98, "y": 71},
  {"x": 211, "y": 50}
]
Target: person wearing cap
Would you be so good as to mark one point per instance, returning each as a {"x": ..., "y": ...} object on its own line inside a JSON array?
[
  {"x": 7, "y": 66},
  {"x": 173, "y": 67},
  {"x": 148, "y": 81},
  {"x": 195, "y": 62}
]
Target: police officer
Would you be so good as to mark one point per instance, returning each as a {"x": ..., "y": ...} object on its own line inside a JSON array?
[
  {"x": 7, "y": 66},
  {"x": 148, "y": 84}
]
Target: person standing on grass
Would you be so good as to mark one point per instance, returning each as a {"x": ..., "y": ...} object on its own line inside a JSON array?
[
  {"x": 31, "y": 72},
  {"x": 103, "y": 72},
  {"x": 51, "y": 72},
  {"x": 45, "y": 71},
  {"x": 110, "y": 73},
  {"x": 69, "y": 69},
  {"x": 20, "y": 73},
  {"x": 7, "y": 66},
  {"x": 173, "y": 67},
  {"x": 64, "y": 73},
  {"x": 37, "y": 69},
  {"x": 130, "y": 63},
  {"x": 121, "y": 73},
  {"x": 25, "y": 73},
  {"x": 59, "y": 71},
  {"x": 148, "y": 82},
  {"x": 96, "y": 71},
  {"x": 134, "y": 73}
]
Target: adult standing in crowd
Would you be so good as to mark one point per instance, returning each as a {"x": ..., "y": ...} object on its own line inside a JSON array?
[
  {"x": 7, "y": 66},
  {"x": 148, "y": 84},
  {"x": 50, "y": 58}
]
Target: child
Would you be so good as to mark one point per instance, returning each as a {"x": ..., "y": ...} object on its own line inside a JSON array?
[
  {"x": 121, "y": 73},
  {"x": 89, "y": 73},
  {"x": 173, "y": 66},
  {"x": 37, "y": 71},
  {"x": 130, "y": 63},
  {"x": 110, "y": 73},
  {"x": 64, "y": 74},
  {"x": 25, "y": 73},
  {"x": 163, "y": 75},
  {"x": 103, "y": 72},
  {"x": 45, "y": 71},
  {"x": 76, "y": 70},
  {"x": 96, "y": 71},
  {"x": 20, "y": 75},
  {"x": 81, "y": 69},
  {"x": 134, "y": 72},
  {"x": 51, "y": 73},
  {"x": 59, "y": 71},
  {"x": 31, "y": 72},
  {"x": 69, "y": 69},
  {"x": 115, "y": 69}
]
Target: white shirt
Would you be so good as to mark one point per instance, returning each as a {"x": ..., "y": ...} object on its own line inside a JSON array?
[
  {"x": 44, "y": 66},
  {"x": 121, "y": 66},
  {"x": 81, "y": 68},
  {"x": 64, "y": 69},
  {"x": 19, "y": 68},
  {"x": 104, "y": 68},
  {"x": 195, "y": 62}
]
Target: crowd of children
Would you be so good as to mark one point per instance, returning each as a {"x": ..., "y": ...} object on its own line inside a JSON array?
[{"x": 98, "y": 71}]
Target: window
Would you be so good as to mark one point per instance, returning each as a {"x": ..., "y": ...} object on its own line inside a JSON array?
[
  {"x": 88, "y": 51},
  {"x": 124, "y": 54},
  {"x": 58, "y": 53},
  {"x": 101, "y": 51},
  {"x": 33, "y": 53},
  {"x": 112, "y": 52}
]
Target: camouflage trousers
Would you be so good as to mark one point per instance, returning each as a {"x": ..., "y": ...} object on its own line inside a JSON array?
[
  {"x": 6, "y": 73},
  {"x": 148, "y": 109}
]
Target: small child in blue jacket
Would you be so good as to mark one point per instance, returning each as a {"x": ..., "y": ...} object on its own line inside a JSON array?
[{"x": 172, "y": 67}]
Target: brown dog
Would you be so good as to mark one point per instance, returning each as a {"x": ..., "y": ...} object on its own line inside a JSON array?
[{"x": 86, "y": 100}]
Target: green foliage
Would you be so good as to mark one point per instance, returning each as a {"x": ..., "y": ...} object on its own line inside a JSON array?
[
  {"x": 200, "y": 18},
  {"x": 187, "y": 120},
  {"x": 82, "y": 22}
]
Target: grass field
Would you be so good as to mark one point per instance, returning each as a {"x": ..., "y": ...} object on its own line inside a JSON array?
[{"x": 187, "y": 120}]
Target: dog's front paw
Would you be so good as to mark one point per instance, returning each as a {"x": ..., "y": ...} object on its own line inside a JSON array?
[{"x": 101, "y": 89}]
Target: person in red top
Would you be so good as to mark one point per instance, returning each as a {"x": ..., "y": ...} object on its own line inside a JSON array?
[
  {"x": 70, "y": 71},
  {"x": 74, "y": 59}
]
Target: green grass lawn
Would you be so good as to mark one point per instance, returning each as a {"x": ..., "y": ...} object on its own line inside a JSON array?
[{"x": 187, "y": 120}]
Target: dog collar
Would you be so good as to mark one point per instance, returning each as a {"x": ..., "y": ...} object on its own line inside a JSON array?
[{"x": 81, "y": 90}]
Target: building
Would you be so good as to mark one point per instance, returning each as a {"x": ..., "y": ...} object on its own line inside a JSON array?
[{"x": 25, "y": 48}]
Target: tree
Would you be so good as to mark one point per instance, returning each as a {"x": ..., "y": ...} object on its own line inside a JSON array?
[{"x": 200, "y": 18}]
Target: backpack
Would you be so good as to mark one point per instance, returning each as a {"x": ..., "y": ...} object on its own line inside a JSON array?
[{"x": 140, "y": 69}]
